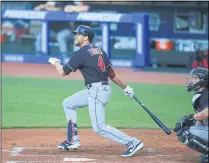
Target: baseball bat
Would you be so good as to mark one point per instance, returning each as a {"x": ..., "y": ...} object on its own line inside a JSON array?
[{"x": 165, "y": 129}]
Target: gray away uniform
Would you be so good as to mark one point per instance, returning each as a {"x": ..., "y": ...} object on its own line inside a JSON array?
[{"x": 94, "y": 66}]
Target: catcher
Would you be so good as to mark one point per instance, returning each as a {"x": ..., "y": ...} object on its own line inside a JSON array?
[{"x": 192, "y": 130}]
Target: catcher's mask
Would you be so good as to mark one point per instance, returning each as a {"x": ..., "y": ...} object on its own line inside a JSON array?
[{"x": 197, "y": 79}]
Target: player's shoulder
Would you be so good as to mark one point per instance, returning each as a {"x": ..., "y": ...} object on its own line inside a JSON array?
[
  {"x": 95, "y": 49},
  {"x": 205, "y": 93},
  {"x": 94, "y": 46},
  {"x": 199, "y": 94},
  {"x": 77, "y": 53},
  {"x": 103, "y": 52}
]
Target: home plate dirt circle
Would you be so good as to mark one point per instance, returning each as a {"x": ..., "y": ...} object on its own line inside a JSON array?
[
  {"x": 50, "y": 154},
  {"x": 39, "y": 145}
]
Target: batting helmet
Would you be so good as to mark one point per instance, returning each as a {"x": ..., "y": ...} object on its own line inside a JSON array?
[
  {"x": 86, "y": 31},
  {"x": 202, "y": 74}
]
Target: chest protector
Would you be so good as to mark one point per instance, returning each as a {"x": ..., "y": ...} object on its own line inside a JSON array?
[{"x": 195, "y": 101}]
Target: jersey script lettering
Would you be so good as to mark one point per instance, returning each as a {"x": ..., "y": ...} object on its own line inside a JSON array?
[{"x": 95, "y": 51}]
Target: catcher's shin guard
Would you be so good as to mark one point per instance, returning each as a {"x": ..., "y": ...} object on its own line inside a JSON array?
[{"x": 194, "y": 142}]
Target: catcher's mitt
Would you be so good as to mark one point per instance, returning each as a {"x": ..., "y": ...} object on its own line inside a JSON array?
[{"x": 184, "y": 123}]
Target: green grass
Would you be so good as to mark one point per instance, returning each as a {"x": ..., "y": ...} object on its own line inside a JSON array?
[{"x": 34, "y": 102}]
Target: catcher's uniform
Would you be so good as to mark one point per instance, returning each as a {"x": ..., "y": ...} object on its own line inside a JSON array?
[
  {"x": 199, "y": 103},
  {"x": 195, "y": 136}
]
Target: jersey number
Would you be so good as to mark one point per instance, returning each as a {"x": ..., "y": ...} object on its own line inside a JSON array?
[{"x": 101, "y": 64}]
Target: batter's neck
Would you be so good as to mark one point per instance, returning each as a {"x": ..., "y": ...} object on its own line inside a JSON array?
[{"x": 84, "y": 44}]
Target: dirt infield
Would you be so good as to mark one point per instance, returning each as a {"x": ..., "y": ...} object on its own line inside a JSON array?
[{"x": 39, "y": 145}]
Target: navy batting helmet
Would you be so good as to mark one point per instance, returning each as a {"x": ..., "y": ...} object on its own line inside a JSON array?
[
  {"x": 86, "y": 31},
  {"x": 202, "y": 74}
]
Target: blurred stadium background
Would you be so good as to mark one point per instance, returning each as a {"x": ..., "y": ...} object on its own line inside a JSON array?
[
  {"x": 32, "y": 94},
  {"x": 178, "y": 31}
]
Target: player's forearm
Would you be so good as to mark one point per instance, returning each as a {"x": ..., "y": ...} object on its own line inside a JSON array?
[
  {"x": 59, "y": 68},
  {"x": 113, "y": 76},
  {"x": 117, "y": 81},
  {"x": 201, "y": 115}
]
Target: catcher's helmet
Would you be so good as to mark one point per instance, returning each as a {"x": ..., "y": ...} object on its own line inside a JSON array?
[
  {"x": 86, "y": 31},
  {"x": 202, "y": 74}
]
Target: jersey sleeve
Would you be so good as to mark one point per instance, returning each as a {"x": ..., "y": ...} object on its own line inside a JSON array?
[
  {"x": 203, "y": 104},
  {"x": 108, "y": 64},
  {"x": 75, "y": 62},
  {"x": 108, "y": 67}
]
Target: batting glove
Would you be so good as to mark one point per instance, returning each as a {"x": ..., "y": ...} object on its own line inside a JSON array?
[
  {"x": 53, "y": 60},
  {"x": 129, "y": 91}
]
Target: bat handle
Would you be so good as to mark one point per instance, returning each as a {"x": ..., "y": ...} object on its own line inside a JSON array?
[{"x": 137, "y": 100}]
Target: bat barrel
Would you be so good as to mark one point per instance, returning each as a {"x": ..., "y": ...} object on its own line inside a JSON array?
[{"x": 166, "y": 130}]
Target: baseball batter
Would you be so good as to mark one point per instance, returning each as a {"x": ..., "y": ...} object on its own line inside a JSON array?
[
  {"x": 192, "y": 130},
  {"x": 96, "y": 68}
]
